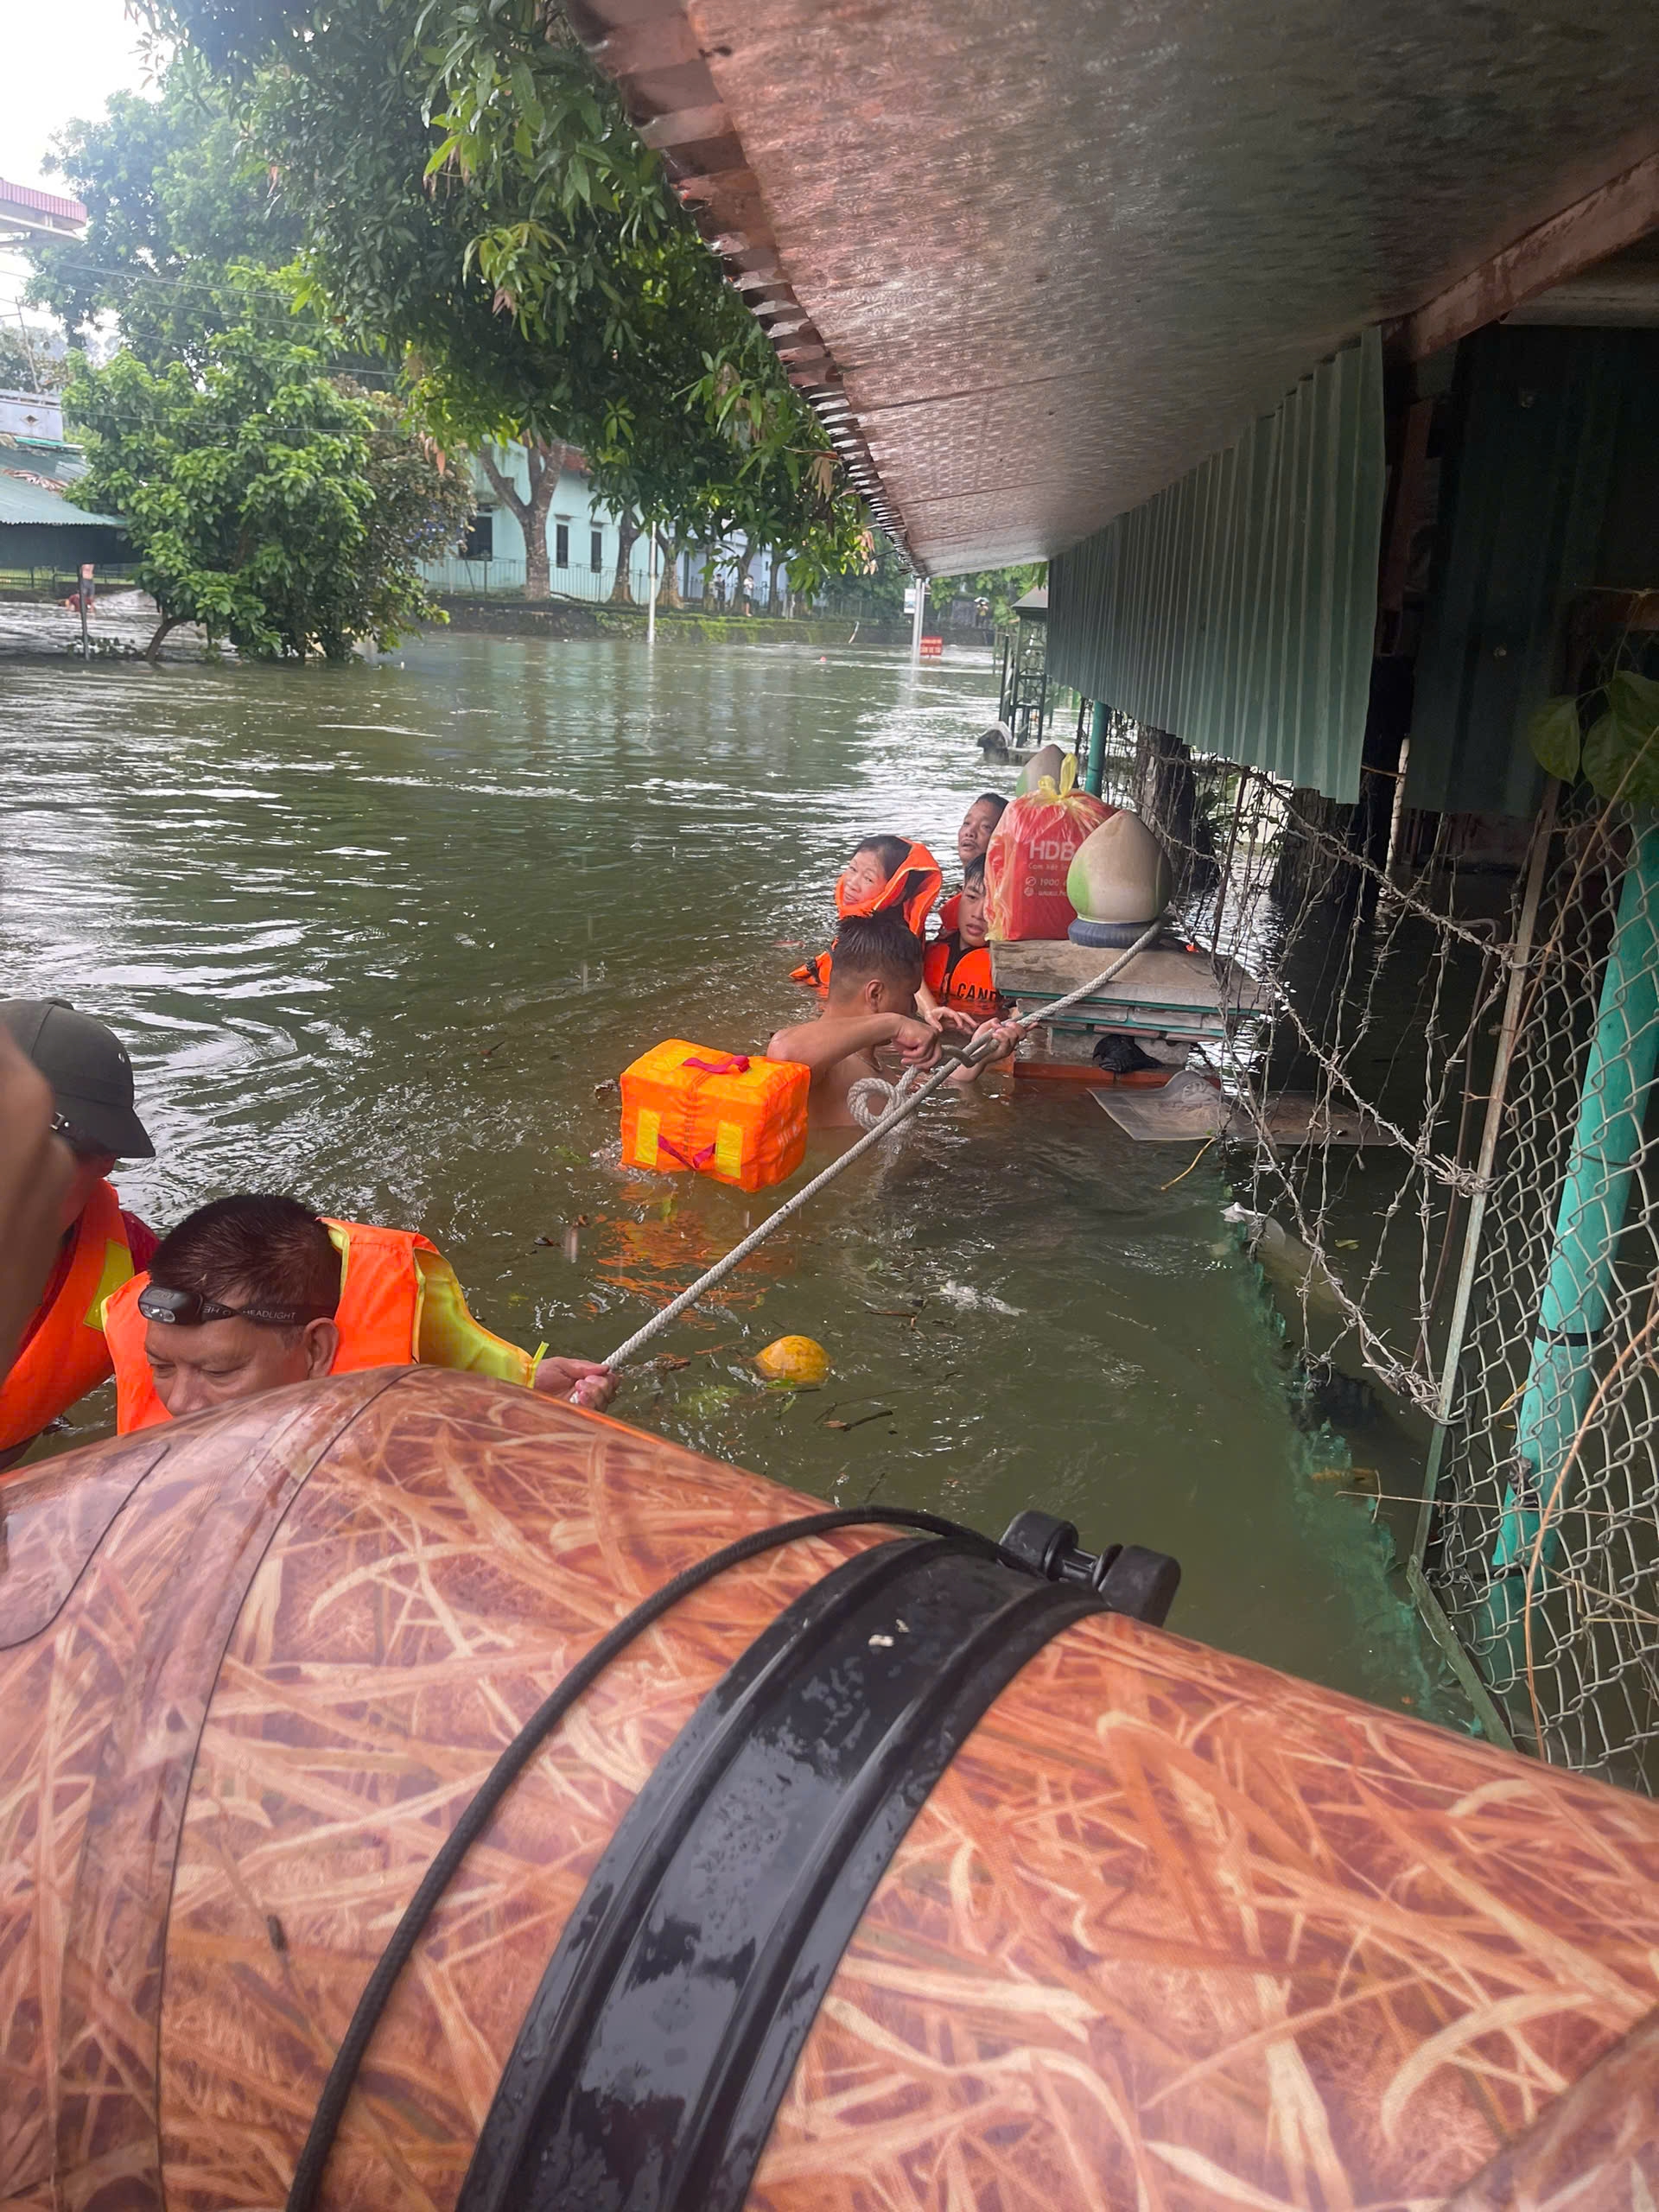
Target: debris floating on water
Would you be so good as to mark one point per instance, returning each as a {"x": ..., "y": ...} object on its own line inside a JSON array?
[{"x": 881, "y": 1413}]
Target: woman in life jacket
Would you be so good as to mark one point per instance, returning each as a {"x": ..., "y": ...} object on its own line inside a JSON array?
[
  {"x": 972, "y": 838},
  {"x": 957, "y": 966},
  {"x": 254, "y": 1292},
  {"x": 883, "y": 873}
]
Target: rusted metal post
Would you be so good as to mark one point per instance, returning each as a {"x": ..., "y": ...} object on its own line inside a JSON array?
[{"x": 1509, "y": 1028}]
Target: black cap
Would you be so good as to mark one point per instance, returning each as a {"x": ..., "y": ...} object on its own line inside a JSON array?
[{"x": 87, "y": 1067}]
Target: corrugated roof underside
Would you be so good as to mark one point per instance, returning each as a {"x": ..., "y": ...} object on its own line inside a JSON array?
[
  {"x": 22, "y": 501},
  {"x": 1058, "y": 253},
  {"x": 1237, "y": 608}
]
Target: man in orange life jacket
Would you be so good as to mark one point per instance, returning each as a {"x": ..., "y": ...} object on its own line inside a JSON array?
[
  {"x": 254, "y": 1292},
  {"x": 36, "y": 1168},
  {"x": 957, "y": 966},
  {"x": 62, "y": 1354}
]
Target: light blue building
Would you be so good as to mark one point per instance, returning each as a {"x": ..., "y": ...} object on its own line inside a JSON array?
[{"x": 582, "y": 544}]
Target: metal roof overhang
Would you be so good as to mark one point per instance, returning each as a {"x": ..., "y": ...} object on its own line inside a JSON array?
[
  {"x": 24, "y": 502},
  {"x": 1032, "y": 265},
  {"x": 39, "y": 528},
  {"x": 27, "y": 212}
]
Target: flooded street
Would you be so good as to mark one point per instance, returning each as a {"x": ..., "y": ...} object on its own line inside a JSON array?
[{"x": 377, "y": 935}]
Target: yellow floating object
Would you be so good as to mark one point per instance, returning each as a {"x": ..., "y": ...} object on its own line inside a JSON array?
[{"x": 794, "y": 1359}]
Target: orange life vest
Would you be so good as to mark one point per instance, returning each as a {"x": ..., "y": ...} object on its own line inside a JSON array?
[
  {"x": 912, "y": 889},
  {"x": 391, "y": 1280},
  {"x": 951, "y": 915},
  {"x": 66, "y": 1356},
  {"x": 959, "y": 975}
]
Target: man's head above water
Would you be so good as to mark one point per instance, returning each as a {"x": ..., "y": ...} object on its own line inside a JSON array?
[
  {"x": 251, "y": 1284},
  {"x": 878, "y": 965}
]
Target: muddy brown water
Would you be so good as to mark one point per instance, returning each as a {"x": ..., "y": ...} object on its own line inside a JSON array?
[{"x": 377, "y": 935}]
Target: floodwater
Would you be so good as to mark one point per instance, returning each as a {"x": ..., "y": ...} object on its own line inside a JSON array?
[{"x": 378, "y": 936}]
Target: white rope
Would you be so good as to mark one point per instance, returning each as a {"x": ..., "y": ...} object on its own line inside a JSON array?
[
  {"x": 872, "y": 1098},
  {"x": 901, "y": 1110}
]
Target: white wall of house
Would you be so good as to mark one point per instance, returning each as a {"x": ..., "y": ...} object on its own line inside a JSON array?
[{"x": 582, "y": 541}]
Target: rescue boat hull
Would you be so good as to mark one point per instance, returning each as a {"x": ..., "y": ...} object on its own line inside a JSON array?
[{"x": 1169, "y": 1928}]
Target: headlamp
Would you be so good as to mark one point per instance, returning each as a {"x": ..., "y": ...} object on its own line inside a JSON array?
[{"x": 189, "y": 1309}]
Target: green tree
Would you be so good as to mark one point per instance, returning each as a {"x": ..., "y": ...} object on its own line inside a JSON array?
[
  {"x": 1001, "y": 587},
  {"x": 275, "y": 504},
  {"x": 28, "y": 362},
  {"x": 473, "y": 199},
  {"x": 177, "y": 204}
]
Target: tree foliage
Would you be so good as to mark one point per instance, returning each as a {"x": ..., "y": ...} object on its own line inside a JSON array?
[
  {"x": 472, "y": 198},
  {"x": 29, "y": 362},
  {"x": 1610, "y": 735},
  {"x": 1001, "y": 587},
  {"x": 275, "y": 504},
  {"x": 179, "y": 210},
  {"x": 890, "y": 579}
]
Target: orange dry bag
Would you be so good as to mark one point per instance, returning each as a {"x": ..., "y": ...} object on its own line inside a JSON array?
[
  {"x": 1029, "y": 852},
  {"x": 741, "y": 1121}
]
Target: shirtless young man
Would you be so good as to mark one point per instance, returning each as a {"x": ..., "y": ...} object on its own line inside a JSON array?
[{"x": 872, "y": 1005}]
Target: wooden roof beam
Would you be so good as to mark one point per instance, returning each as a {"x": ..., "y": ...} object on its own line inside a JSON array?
[{"x": 1614, "y": 216}]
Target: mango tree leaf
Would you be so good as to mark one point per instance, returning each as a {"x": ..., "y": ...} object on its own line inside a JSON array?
[
  {"x": 1621, "y": 759},
  {"x": 1633, "y": 743},
  {"x": 1552, "y": 733},
  {"x": 1634, "y": 699}
]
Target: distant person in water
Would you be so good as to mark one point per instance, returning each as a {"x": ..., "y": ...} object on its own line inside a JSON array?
[
  {"x": 254, "y": 1292},
  {"x": 871, "y": 1008}
]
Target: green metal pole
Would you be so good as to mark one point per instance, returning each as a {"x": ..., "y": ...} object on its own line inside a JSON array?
[
  {"x": 1588, "y": 1224},
  {"x": 1095, "y": 774}
]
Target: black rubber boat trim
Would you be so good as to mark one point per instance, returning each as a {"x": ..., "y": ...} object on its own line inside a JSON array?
[
  {"x": 650, "y": 2064},
  {"x": 342, "y": 2074}
]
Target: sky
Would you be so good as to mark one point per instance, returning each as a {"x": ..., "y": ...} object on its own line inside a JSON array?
[{"x": 62, "y": 62}]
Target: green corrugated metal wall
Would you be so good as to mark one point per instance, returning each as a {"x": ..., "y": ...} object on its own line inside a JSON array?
[{"x": 1238, "y": 609}]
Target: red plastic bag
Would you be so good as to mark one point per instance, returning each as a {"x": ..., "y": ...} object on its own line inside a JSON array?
[{"x": 1030, "y": 853}]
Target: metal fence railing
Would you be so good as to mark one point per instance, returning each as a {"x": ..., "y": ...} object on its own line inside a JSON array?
[
  {"x": 1463, "y": 1210},
  {"x": 1543, "y": 1539}
]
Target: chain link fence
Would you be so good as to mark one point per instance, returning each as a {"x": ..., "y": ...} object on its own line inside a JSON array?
[
  {"x": 1544, "y": 1536},
  {"x": 1443, "y": 1151}
]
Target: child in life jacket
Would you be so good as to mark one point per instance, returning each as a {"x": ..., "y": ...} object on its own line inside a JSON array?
[
  {"x": 956, "y": 967},
  {"x": 885, "y": 873},
  {"x": 871, "y": 1008}
]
